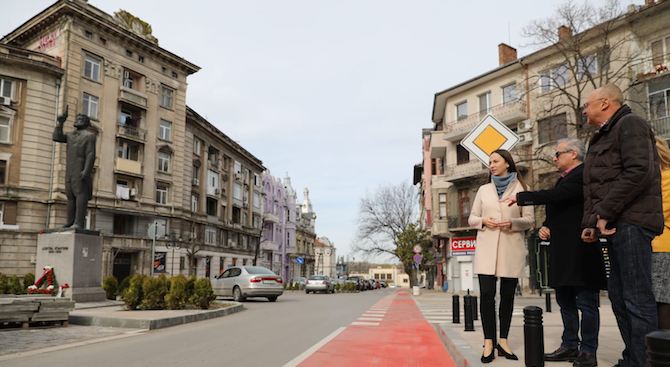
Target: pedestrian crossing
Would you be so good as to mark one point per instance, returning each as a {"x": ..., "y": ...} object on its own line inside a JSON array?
[
  {"x": 440, "y": 313},
  {"x": 375, "y": 314}
]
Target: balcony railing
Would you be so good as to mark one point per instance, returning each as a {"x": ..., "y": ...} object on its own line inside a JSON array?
[
  {"x": 504, "y": 112},
  {"x": 458, "y": 221},
  {"x": 270, "y": 246},
  {"x": 133, "y": 97},
  {"x": 131, "y": 132},
  {"x": 472, "y": 168},
  {"x": 661, "y": 127},
  {"x": 128, "y": 165},
  {"x": 270, "y": 217},
  {"x": 648, "y": 69}
]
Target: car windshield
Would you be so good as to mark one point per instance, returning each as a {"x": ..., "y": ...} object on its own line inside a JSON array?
[
  {"x": 296, "y": 280},
  {"x": 317, "y": 277},
  {"x": 258, "y": 270}
]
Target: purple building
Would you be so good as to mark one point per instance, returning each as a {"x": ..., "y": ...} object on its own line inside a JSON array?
[{"x": 279, "y": 224}]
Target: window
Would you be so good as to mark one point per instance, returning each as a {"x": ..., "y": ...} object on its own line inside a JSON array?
[
  {"x": 210, "y": 235},
  {"x": 464, "y": 206},
  {"x": 165, "y": 130},
  {"x": 257, "y": 200},
  {"x": 3, "y": 172},
  {"x": 212, "y": 179},
  {"x": 102, "y": 41},
  {"x": 224, "y": 242},
  {"x": 175, "y": 75},
  {"x": 163, "y": 162},
  {"x": 554, "y": 78},
  {"x": 196, "y": 146},
  {"x": 88, "y": 34},
  {"x": 484, "y": 102},
  {"x": 553, "y": 128},
  {"x": 161, "y": 193},
  {"x": 194, "y": 203},
  {"x": 257, "y": 180},
  {"x": 443, "y": 205},
  {"x": 128, "y": 151},
  {"x": 461, "y": 110},
  {"x": 92, "y": 68},
  {"x": 659, "y": 92},
  {"x": 4, "y": 129},
  {"x": 587, "y": 67},
  {"x": 212, "y": 206},
  {"x": 129, "y": 53},
  {"x": 462, "y": 155},
  {"x": 6, "y": 88},
  {"x": 128, "y": 80},
  {"x": 238, "y": 167},
  {"x": 233, "y": 239},
  {"x": 166, "y": 97},
  {"x": 509, "y": 94},
  {"x": 660, "y": 52},
  {"x": 90, "y": 106},
  {"x": 237, "y": 191},
  {"x": 140, "y": 58}
]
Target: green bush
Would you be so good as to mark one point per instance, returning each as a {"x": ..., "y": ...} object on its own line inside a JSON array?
[
  {"x": 125, "y": 283},
  {"x": 15, "y": 286},
  {"x": 177, "y": 297},
  {"x": 337, "y": 287},
  {"x": 154, "y": 291},
  {"x": 110, "y": 285},
  {"x": 203, "y": 294},
  {"x": 190, "y": 285},
  {"x": 132, "y": 296},
  {"x": 28, "y": 280},
  {"x": 4, "y": 285}
]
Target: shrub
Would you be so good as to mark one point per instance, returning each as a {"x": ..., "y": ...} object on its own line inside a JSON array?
[
  {"x": 337, "y": 287},
  {"x": 125, "y": 283},
  {"x": 4, "y": 285},
  {"x": 177, "y": 297},
  {"x": 190, "y": 285},
  {"x": 154, "y": 291},
  {"x": 202, "y": 294},
  {"x": 110, "y": 285},
  {"x": 28, "y": 280},
  {"x": 15, "y": 286},
  {"x": 132, "y": 296}
]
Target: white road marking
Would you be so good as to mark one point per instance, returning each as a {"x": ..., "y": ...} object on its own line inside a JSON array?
[
  {"x": 297, "y": 360},
  {"x": 365, "y": 323}
]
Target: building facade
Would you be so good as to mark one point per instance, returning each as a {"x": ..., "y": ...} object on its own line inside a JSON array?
[
  {"x": 326, "y": 257},
  {"x": 279, "y": 225},
  {"x": 305, "y": 238}
]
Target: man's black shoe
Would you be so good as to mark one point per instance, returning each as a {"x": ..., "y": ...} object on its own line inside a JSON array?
[
  {"x": 585, "y": 360},
  {"x": 562, "y": 354}
]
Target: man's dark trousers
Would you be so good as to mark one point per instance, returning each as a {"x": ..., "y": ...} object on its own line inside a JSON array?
[{"x": 572, "y": 300}]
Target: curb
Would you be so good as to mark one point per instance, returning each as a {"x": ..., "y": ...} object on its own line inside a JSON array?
[
  {"x": 152, "y": 324},
  {"x": 460, "y": 350}
]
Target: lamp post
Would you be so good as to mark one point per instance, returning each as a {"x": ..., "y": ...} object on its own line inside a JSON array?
[{"x": 173, "y": 244}]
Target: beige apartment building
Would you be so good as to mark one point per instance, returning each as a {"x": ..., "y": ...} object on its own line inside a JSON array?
[
  {"x": 134, "y": 92},
  {"x": 539, "y": 97}
]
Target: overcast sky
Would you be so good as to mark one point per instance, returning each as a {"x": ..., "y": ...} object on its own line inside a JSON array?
[{"x": 333, "y": 92}]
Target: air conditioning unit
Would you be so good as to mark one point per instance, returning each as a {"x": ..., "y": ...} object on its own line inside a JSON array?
[
  {"x": 524, "y": 126},
  {"x": 238, "y": 176},
  {"x": 245, "y": 199},
  {"x": 525, "y": 138},
  {"x": 230, "y": 243},
  {"x": 133, "y": 192},
  {"x": 217, "y": 191},
  {"x": 196, "y": 182},
  {"x": 5, "y": 101},
  {"x": 246, "y": 206},
  {"x": 223, "y": 191}
]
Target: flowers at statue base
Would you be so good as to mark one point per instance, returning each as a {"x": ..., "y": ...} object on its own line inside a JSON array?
[{"x": 48, "y": 280}]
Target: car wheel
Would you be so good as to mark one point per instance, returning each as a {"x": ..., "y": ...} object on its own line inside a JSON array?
[
  {"x": 237, "y": 295},
  {"x": 306, "y": 292},
  {"x": 272, "y": 299},
  {"x": 332, "y": 291}
]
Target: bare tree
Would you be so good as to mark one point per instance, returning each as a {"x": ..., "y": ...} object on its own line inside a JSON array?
[{"x": 387, "y": 225}]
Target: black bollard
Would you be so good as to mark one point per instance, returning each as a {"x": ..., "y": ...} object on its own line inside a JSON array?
[
  {"x": 658, "y": 348},
  {"x": 475, "y": 313},
  {"x": 533, "y": 336},
  {"x": 467, "y": 312},
  {"x": 548, "y": 302},
  {"x": 456, "y": 309}
]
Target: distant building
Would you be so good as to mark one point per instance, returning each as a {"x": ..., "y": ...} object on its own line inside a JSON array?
[
  {"x": 326, "y": 257},
  {"x": 279, "y": 225},
  {"x": 305, "y": 238}
]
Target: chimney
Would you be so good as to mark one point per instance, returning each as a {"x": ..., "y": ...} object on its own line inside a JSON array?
[
  {"x": 648, "y": 2},
  {"x": 564, "y": 32},
  {"x": 506, "y": 54}
]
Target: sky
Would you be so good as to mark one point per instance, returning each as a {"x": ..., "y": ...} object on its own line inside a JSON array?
[{"x": 334, "y": 93}]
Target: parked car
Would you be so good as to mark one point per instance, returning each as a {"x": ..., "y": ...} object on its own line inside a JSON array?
[
  {"x": 242, "y": 282},
  {"x": 383, "y": 284},
  {"x": 360, "y": 282},
  {"x": 371, "y": 283},
  {"x": 319, "y": 283},
  {"x": 300, "y": 281}
]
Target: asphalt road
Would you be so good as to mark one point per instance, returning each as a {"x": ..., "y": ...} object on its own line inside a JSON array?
[{"x": 265, "y": 334}]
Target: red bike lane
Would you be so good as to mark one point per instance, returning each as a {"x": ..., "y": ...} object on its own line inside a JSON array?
[{"x": 391, "y": 333}]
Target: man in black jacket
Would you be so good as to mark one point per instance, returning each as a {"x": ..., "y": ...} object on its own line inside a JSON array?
[
  {"x": 575, "y": 268},
  {"x": 622, "y": 200}
]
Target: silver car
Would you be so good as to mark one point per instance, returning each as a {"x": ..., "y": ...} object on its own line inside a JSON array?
[
  {"x": 242, "y": 282},
  {"x": 319, "y": 283}
]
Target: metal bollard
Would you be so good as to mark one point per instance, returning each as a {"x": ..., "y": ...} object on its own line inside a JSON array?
[
  {"x": 533, "y": 336},
  {"x": 548, "y": 302},
  {"x": 475, "y": 312},
  {"x": 456, "y": 309},
  {"x": 658, "y": 348},
  {"x": 467, "y": 312}
]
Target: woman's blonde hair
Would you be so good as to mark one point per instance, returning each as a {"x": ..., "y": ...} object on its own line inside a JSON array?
[{"x": 663, "y": 153}]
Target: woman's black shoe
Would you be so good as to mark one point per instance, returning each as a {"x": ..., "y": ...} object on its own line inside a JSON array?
[
  {"x": 502, "y": 352},
  {"x": 490, "y": 357}
]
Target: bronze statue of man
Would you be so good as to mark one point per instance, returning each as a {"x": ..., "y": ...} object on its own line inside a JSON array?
[{"x": 79, "y": 163}]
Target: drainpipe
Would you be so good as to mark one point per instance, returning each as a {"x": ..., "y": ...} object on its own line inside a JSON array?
[
  {"x": 53, "y": 154},
  {"x": 530, "y": 148}
]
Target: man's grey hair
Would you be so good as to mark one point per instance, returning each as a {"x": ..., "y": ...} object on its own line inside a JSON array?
[{"x": 575, "y": 144}]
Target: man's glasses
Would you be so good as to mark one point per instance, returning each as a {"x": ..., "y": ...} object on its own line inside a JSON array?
[
  {"x": 587, "y": 103},
  {"x": 558, "y": 154}
]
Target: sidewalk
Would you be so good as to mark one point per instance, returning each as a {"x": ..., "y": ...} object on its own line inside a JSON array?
[{"x": 466, "y": 347}]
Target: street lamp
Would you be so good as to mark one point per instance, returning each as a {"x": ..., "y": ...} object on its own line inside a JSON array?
[{"x": 173, "y": 244}]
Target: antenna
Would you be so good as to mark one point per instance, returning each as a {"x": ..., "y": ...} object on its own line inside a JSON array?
[{"x": 509, "y": 34}]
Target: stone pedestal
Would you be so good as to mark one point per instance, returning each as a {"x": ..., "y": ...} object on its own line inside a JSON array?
[{"x": 76, "y": 257}]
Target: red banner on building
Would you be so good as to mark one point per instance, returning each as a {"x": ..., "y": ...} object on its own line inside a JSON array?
[
  {"x": 463, "y": 246},
  {"x": 48, "y": 41}
]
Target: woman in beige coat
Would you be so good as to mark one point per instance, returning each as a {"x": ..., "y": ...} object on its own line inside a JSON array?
[{"x": 501, "y": 251}]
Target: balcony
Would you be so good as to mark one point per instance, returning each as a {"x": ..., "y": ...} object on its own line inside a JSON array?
[
  {"x": 438, "y": 145},
  {"x": 458, "y": 223},
  {"x": 129, "y": 166},
  {"x": 440, "y": 227},
  {"x": 133, "y": 97},
  {"x": 271, "y": 217},
  {"x": 508, "y": 114},
  {"x": 270, "y": 246},
  {"x": 648, "y": 70},
  {"x": 456, "y": 172},
  {"x": 661, "y": 126},
  {"x": 131, "y": 132}
]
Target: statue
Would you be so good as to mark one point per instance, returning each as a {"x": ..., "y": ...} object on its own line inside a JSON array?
[{"x": 79, "y": 163}]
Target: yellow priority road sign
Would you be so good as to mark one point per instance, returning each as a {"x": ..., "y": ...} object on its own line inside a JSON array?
[{"x": 489, "y": 135}]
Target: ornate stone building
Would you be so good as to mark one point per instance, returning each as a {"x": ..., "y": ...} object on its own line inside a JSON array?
[
  {"x": 305, "y": 235},
  {"x": 279, "y": 225}
]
